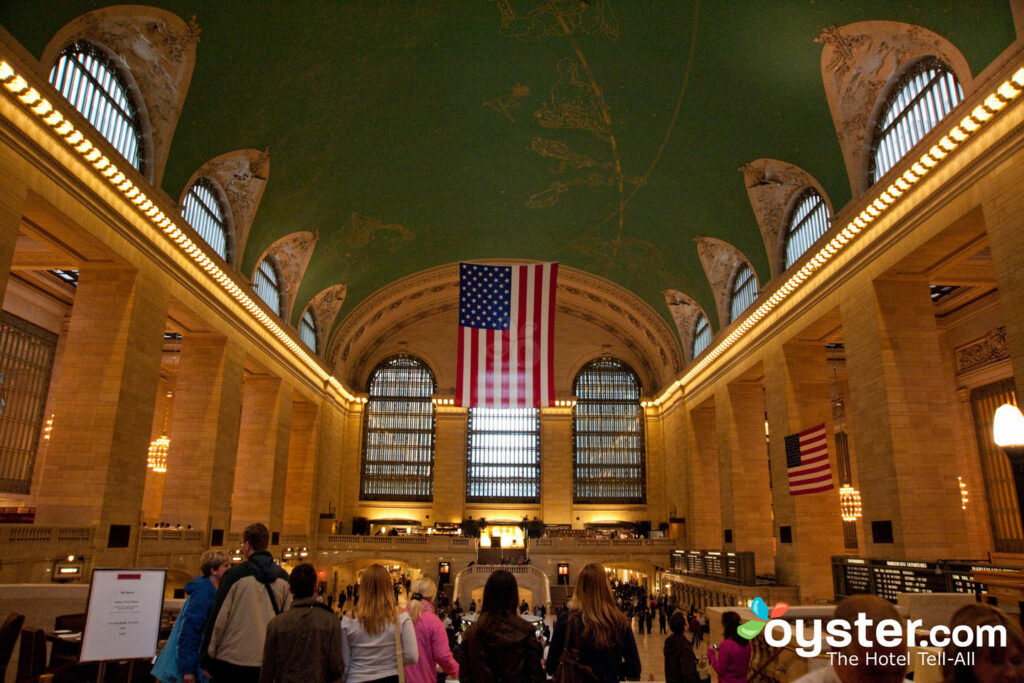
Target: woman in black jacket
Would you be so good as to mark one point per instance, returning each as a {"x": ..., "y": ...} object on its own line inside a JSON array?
[
  {"x": 596, "y": 628},
  {"x": 501, "y": 647}
]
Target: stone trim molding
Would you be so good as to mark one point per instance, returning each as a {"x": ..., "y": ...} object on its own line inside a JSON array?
[
  {"x": 860, "y": 62},
  {"x": 156, "y": 52},
  {"x": 292, "y": 253},
  {"x": 684, "y": 311},
  {"x": 721, "y": 260},
  {"x": 981, "y": 352},
  {"x": 325, "y": 307},
  {"x": 773, "y": 188}
]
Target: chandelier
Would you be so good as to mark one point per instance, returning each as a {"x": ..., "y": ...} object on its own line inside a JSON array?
[
  {"x": 849, "y": 503},
  {"x": 157, "y": 458}
]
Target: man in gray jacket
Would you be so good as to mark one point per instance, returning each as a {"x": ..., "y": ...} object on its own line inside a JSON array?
[
  {"x": 303, "y": 644},
  {"x": 249, "y": 596}
]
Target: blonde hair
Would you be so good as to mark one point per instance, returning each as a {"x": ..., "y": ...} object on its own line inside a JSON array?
[
  {"x": 376, "y": 608},
  {"x": 426, "y": 587},
  {"x": 603, "y": 621}
]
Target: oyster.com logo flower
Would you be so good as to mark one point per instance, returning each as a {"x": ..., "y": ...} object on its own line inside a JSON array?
[{"x": 749, "y": 629}]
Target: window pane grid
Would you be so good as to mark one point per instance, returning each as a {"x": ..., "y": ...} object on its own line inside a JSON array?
[
  {"x": 608, "y": 436},
  {"x": 266, "y": 285},
  {"x": 701, "y": 335},
  {"x": 810, "y": 221},
  {"x": 202, "y": 210},
  {"x": 89, "y": 81},
  {"x": 744, "y": 291},
  {"x": 307, "y": 330},
  {"x": 503, "y": 456},
  {"x": 922, "y": 99},
  {"x": 398, "y": 433}
]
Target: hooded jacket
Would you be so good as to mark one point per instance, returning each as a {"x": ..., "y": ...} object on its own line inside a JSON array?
[
  {"x": 500, "y": 650},
  {"x": 237, "y": 627},
  {"x": 201, "y": 595}
]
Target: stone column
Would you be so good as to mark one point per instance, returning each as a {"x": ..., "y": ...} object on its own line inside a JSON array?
[
  {"x": 351, "y": 464},
  {"x": 450, "y": 464},
  {"x": 299, "y": 502},
  {"x": 743, "y": 461},
  {"x": 95, "y": 467},
  {"x": 262, "y": 453},
  {"x": 798, "y": 397},
  {"x": 1004, "y": 221},
  {"x": 204, "y": 432},
  {"x": 12, "y": 205},
  {"x": 901, "y": 415},
  {"x": 657, "y": 476},
  {"x": 704, "y": 523},
  {"x": 329, "y": 473},
  {"x": 556, "y": 465}
]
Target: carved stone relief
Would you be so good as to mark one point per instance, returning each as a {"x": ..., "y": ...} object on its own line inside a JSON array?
[
  {"x": 983, "y": 351},
  {"x": 325, "y": 307},
  {"x": 772, "y": 186},
  {"x": 292, "y": 253},
  {"x": 859, "y": 63},
  {"x": 684, "y": 311},
  {"x": 242, "y": 175},
  {"x": 720, "y": 260},
  {"x": 157, "y": 50}
]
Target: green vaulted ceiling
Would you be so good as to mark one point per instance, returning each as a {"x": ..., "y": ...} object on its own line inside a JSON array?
[{"x": 413, "y": 134}]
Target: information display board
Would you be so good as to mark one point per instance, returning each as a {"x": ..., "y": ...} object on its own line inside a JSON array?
[{"x": 123, "y": 617}]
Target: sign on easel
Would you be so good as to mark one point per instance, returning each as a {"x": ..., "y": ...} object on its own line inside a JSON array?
[{"x": 123, "y": 617}]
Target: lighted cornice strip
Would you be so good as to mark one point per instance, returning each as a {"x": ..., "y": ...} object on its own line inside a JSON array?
[
  {"x": 76, "y": 140},
  {"x": 977, "y": 119}
]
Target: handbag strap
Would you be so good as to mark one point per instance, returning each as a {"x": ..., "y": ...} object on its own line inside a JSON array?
[
  {"x": 398, "y": 651},
  {"x": 273, "y": 600}
]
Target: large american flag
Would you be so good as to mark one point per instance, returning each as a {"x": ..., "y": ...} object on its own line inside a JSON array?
[
  {"x": 807, "y": 462},
  {"x": 506, "y": 335}
]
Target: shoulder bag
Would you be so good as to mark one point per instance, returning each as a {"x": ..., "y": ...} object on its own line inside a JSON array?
[{"x": 570, "y": 668}]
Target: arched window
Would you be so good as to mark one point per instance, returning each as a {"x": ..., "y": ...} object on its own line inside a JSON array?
[
  {"x": 809, "y": 221},
  {"x": 503, "y": 459},
  {"x": 918, "y": 101},
  {"x": 608, "y": 435},
  {"x": 266, "y": 284},
  {"x": 90, "y": 81},
  {"x": 307, "y": 329},
  {"x": 744, "y": 291},
  {"x": 203, "y": 211},
  {"x": 398, "y": 432},
  {"x": 701, "y": 335}
]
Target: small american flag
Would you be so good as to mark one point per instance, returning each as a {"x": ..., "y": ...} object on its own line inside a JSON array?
[
  {"x": 807, "y": 462},
  {"x": 506, "y": 335}
]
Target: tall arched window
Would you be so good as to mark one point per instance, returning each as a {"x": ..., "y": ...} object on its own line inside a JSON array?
[
  {"x": 743, "y": 292},
  {"x": 701, "y": 335},
  {"x": 918, "y": 101},
  {"x": 809, "y": 221},
  {"x": 503, "y": 459},
  {"x": 266, "y": 284},
  {"x": 90, "y": 81},
  {"x": 204, "y": 212},
  {"x": 398, "y": 432},
  {"x": 307, "y": 330},
  {"x": 608, "y": 435}
]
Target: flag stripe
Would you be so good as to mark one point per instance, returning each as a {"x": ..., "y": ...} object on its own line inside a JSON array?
[{"x": 808, "y": 468}]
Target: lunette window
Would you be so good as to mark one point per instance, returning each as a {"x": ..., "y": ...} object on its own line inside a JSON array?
[
  {"x": 203, "y": 211},
  {"x": 810, "y": 220},
  {"x": 744, "y": 291},
  {"x": 398, "y": 432},
  {"x": 608, "y": 435},
  {"x": 266, "y": 284},
  {"x": 88, "y": 78},
  {"x": 701, "y": 335},
  {"x": 503, "y": 455},
  {"x": 307, "y": 330},
  {"x": 918, "y": 101}
]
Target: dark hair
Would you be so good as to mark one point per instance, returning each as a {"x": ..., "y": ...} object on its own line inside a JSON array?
[
  {"x": 677, "y": 622},
  {"x": 303, "y": 581},
  {"x": 257, "y": 536},
  {"x": 731, "y": 622},
  {"x": 501, "y": 595}
]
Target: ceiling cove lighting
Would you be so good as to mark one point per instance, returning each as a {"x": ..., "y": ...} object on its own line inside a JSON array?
[
  {"x": 980, "y": 116},
  {"x": 77, "y": 141}
]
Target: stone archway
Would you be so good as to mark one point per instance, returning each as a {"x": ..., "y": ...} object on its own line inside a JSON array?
[{"x": 534, "y": 585}]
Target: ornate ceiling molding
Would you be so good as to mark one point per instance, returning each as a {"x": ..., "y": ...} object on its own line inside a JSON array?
[
  {"x": 859, "y": 64},
  {"x": 241, "y": 177},
  {"x": 292, "y": 253},
  {"x": 325, "y": 307},
  {"x": 357, "y": 343},
  {"x": 773, "y": 186},
  {"x": 156, "y": 53},
  {"x": 720, "y": 260},
  {"x": 684, "y": 311}
]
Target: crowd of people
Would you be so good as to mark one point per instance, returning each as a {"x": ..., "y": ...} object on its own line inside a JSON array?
[{"x": 254, "y": 623}]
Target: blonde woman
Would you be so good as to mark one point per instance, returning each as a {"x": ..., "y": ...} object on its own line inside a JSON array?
[
  {"x": 368, "y": 638},
  {"x": 594, "y": 632},
  {"x": 430, "y": 635}
]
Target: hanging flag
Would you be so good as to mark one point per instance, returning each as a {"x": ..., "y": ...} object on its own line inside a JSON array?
[
  {"x": 506, "y": 335},
  {"x": 807, "y": 462}
]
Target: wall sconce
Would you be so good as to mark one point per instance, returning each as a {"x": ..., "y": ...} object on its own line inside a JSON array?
[
  {"x": 1008, "y": 433},
  {"x": 849, "y": 503}
]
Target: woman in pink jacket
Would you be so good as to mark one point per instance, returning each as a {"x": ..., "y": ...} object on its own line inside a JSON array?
[
  {"x": 430, "y": 635},
  {"x": 731, "y": 658}
]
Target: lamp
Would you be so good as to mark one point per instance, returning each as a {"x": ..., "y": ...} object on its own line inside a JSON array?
[
  {"x": 849, "y": 503},
  {"x": 1008, "y": 433},
  {"x": 157, "y": 457}
]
